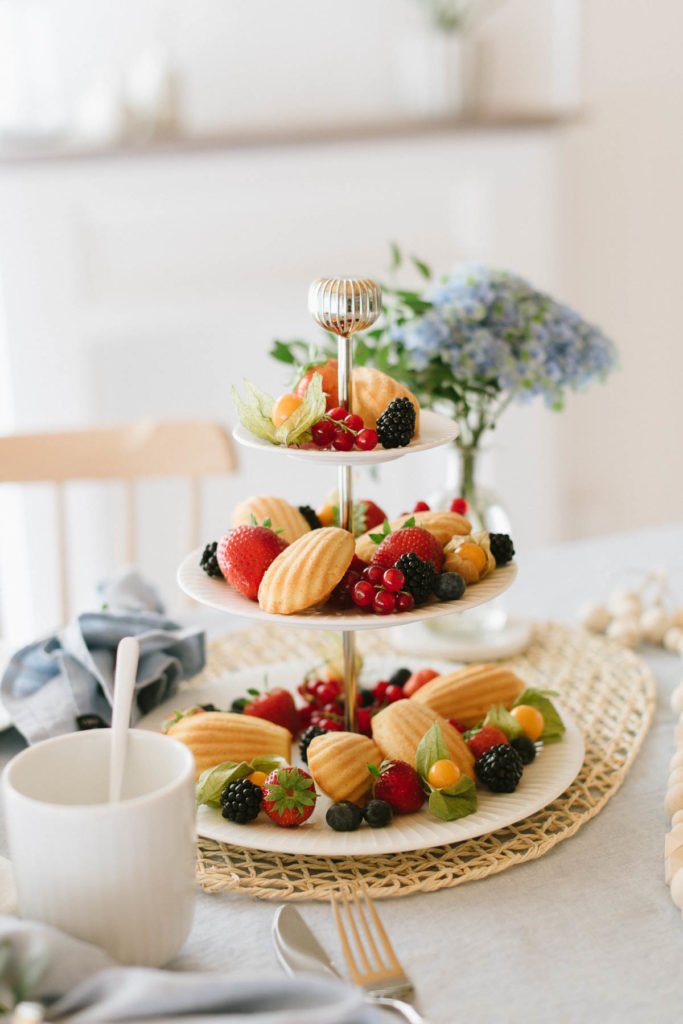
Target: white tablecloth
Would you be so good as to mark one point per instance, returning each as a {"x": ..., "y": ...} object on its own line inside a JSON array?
[{"x": 587, "y": 933}]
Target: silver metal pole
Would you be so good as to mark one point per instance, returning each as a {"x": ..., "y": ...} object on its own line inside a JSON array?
[{"x": 345, "y": 361}]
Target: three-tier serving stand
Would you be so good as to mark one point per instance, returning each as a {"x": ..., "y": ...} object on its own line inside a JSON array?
[{"x": 344, "y": 306}]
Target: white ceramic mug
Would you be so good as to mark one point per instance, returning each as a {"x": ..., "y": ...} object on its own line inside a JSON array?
[{"x": 118, "y": 875}]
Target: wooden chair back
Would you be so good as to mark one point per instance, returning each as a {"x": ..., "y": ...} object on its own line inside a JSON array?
[{"x": 129, "y": 453}]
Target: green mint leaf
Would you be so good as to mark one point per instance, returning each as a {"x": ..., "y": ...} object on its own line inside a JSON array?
[
  {"x": 431, "y": 748},
  {"x": 268, "y": 523},
  {"x": 501, "y": 718},
  {"x": 374, "y": 770},
  {"x": 455, "y": 801},
  {"x": 553, "y": 726},
  {"x": 213, "y": 781},
  {"x": 408, "y": 522}
]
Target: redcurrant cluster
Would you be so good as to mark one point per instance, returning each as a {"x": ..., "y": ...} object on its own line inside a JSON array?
[
  {"x": 343, "y": 431},
  {"x": 324, "y": 704},
  {"x": 381, "y": 591}
]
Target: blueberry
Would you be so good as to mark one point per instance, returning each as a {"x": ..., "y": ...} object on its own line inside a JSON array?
[
  {"x": 525, "y": 748},
  {"x": 449, "y": 586},
  {"x": 344, "y": 816},
  {"x": 400, "y": 677},
  {"x": 378, "y": 813}
]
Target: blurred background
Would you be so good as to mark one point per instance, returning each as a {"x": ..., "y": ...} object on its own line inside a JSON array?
[{"x": 173, "y": 175}]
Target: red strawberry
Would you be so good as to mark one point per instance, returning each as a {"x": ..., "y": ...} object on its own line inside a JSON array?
[
  {"x": 289, "y": 796},
  {"x": 374, "y": 516},
  {"x": 275, "y": 706},
  {"x": 245, "y": 553},
  {"x": 459, "y": 505},
  {"x": 405, "y": 540},
  {"x": 329, "y": 373},
  {"x": 417, "y": 680},
  {"x": 398, "y": 784},
  {"x": 489, "y": 736}
]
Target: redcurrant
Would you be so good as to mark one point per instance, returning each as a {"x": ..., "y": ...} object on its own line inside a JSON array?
[
  {"x": 338, "y": 413},
  {"x": 363, "y": 594},
  {"x": 405, "y": 602},
  {"x": 366, "y": 440},
  {"x": 384, "y": 602},
  {"x": 322, "y": 433},
  {"x": 354, "y": 422},
  {"x": 374, "y": 574},
  {"x": 393, "y": 579},
  {"x": 342, "y": 440}
]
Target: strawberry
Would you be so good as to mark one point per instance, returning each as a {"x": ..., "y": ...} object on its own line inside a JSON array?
[
  {"x": 329, "y": 373},
  {"x": 275, "y": 706},
  {"x": 289, "y": 796},
  {"x": 417, "y": 680},
  {"x": 372, "y": 514},
  {"x": 398, "y": 784},
  {"x": 404, "y": 541},
  {"x": 245, "y": 553},
  {"x": 489, "y": 736}
]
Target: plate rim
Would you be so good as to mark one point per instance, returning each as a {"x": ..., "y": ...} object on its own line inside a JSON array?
[
  {"x": 247, "y": 439},
  {"x": 242, "y": 607},
  {"x": 369, "y": 842}
]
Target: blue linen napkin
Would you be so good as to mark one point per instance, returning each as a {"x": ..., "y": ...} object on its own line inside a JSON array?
[
  {"x": 50, "y": 684},
  {"x": 78, "y": 983}
]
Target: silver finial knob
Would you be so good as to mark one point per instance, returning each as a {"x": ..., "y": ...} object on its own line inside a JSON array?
[{"x": 344, "y": 305}]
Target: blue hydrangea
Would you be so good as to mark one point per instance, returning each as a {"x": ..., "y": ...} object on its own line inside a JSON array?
[{"x": 491, "y": 326}]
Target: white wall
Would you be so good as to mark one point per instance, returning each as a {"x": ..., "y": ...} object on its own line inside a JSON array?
[{"x": 622, "y": 211}]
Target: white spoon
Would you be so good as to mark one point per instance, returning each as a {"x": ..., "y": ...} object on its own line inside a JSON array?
[{"x": 127, "y": 656}]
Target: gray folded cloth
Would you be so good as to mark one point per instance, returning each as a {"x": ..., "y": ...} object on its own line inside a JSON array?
[
  {"x": 50, "y": 684},
  {"x": 77, "y": 982}
]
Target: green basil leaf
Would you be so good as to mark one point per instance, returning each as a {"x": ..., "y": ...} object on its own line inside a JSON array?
[
  {"x": 213, "y": 781},
  {"x": 431, "y": 748},
  {"x": 553, "y": 726},
  {"x": 455, "y": 801}
]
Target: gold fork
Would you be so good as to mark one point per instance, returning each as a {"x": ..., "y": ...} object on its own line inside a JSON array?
[{"x": 376, "y": 970}]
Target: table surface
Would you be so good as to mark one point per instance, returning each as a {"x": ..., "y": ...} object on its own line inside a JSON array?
[{"x": 587, "y": 933}]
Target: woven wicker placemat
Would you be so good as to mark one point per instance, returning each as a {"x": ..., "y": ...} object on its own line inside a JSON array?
[{"x": 610, "y": 693}]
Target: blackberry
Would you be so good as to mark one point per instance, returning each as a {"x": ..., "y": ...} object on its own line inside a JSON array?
[
  {"x": 241, "y": 801},
  {"x": 449, "y": 586},
  {"x": 400, "y": 677},
  {"x": 309, "y": 734},
  {"x": 525, "y": 748},
  {"x": 420, "y": 576},
  {"x": 502, "y": 548},
  {"x": 344, "y": 816},
  {"x": 396, "y": 425},
  {"x": 366, "y": 698},
  {"x": 209, "y": 563},
  {"x": 500, "y": 768},
  {"x": 378, "y": 813},
  {"x": 311, "y": 516}
]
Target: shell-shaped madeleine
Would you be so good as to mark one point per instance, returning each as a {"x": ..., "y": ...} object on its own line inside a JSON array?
[
  {"x": 283, "y": 516},
  {"x": 469, "y": 693},
  {"x": 371, "y": 392},
  {"x": 307, "y": 571},
  {"x": 398, "y": 729},
  {"x": 217, "y": 736},
  {"x": 442, "y": 525},
  {"x": 338, "y": 761}
]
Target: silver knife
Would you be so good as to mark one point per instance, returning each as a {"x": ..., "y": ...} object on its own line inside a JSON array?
[{"x": 299, "y": 951}]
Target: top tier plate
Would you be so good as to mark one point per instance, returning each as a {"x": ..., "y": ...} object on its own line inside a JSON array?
[{"x": 435, "y": 430}]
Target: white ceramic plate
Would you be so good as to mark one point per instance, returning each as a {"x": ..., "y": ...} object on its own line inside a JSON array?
[
  {"x": 551, "y": 773},
  {"x": 218, "y": 594},
  {"x": 435, "y": 430}
]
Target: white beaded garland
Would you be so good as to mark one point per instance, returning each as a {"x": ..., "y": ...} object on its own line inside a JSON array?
[
  {"x": 626, "y": 633},
  {"x": 654, "y": 623},
  {"x": 672, "y": 638},
  {"x": 624, "y": 602},
  {"x": 594, "y": 616}
]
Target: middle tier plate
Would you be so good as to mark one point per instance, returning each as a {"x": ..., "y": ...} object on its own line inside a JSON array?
[
  {"x": 435, "y": 430},
  {"x": 218, "y": 594}
]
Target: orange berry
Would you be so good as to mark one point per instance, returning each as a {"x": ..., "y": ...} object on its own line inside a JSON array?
[
  {"x": 326, "y": 515},
  {"x": 473, "y": 553},
  {"x": 530, "y": 719},
  {"x": 284, "y": 407},
  {"x": 443, "y": 773},
  {"x": 258, "y": 778}
]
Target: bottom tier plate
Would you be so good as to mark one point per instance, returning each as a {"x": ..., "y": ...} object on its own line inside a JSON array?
[{"x": 550, "y": 774}]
